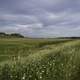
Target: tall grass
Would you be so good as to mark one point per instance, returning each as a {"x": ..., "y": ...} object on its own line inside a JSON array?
[{"x": 59, "y": 61}]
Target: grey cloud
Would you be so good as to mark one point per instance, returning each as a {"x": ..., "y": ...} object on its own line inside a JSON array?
[{"x": 40, "y": 18}]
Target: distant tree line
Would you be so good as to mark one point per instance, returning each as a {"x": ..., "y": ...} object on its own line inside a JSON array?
[
  {"x": 13, "y": 35},
  {"x": 68, "y": 37}
]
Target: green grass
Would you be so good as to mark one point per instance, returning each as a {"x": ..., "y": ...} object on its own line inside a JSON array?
[{"x": 39, "y": 59}]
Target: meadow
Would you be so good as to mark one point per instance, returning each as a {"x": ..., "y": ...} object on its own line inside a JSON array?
[{"x": 39, "y": 59}]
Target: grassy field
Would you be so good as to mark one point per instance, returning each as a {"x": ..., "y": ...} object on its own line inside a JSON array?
[{"x": 39, "y": 59}]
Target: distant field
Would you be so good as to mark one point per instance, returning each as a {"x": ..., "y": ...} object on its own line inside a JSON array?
[
  {"x": 23, "y": 47},
  {"x": 39, "y": 59}
]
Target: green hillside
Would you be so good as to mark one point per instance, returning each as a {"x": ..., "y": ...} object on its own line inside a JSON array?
[{"x": 39, "y": 59}]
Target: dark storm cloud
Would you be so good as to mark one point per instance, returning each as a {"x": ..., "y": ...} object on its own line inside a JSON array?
[{"x": 40, "y": 18}]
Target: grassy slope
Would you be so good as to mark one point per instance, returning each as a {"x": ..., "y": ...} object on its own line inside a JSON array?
[
  {"x": 47, "y": 60},
  {"x": 23, "y": 47}
]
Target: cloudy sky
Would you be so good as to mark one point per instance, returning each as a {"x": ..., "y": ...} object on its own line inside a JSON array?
[{"x": 40, "y": 18}]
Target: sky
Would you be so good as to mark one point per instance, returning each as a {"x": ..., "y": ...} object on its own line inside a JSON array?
[{"x": 40, "y": 18}]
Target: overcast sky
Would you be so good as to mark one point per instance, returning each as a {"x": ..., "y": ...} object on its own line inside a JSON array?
[{"x": 40, "y": 18}]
